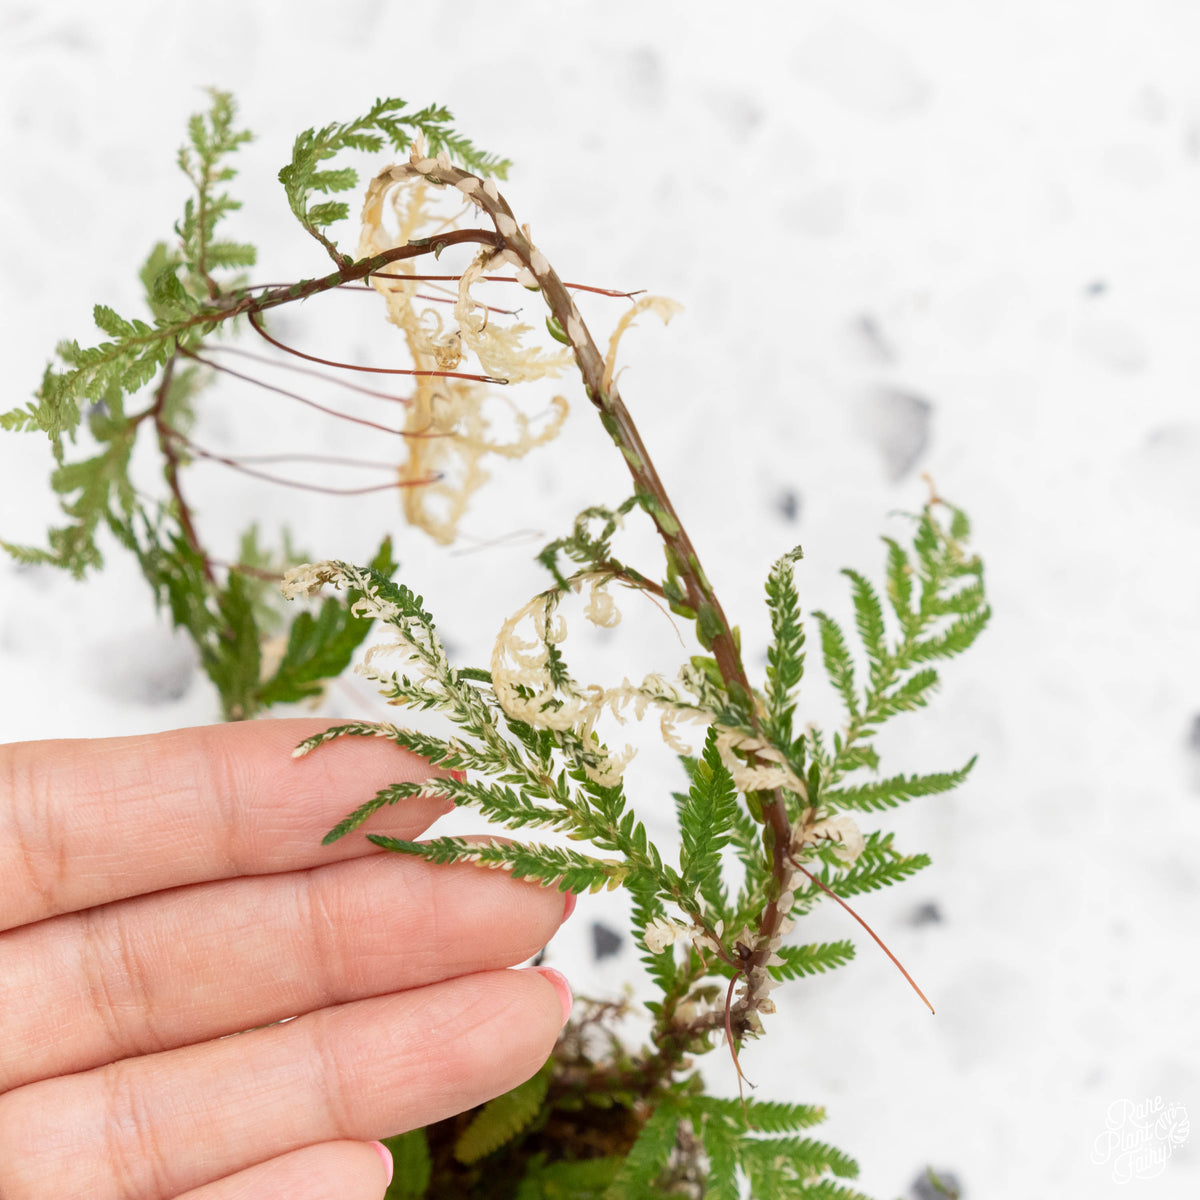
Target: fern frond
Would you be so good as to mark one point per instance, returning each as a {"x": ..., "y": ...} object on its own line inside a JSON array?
[
  {"x": 503, "y": 1117},
  {"x": 868, "y": 614},
  {"x": 900, "y": 584},
  {"x": 706, "y": 818},
  {"x": 956, "y": 638},
  {"x": 569, "y": 869},
  {"x": 785, "y": 655},
  {"x": 583, "y": 1179},
  {"x": 412, "y": 1165},
  {"x": 906, "y": 696},
  {"x": 589, "y": 544},
  {"x": 763, "y": 1116},
  {"x": 878, "y": 866},
  {"x": 887, "y": 793},
  {"x": 647, "y": 1156},
  {"x": 304, "y": 176},
  {"x": 773, "y": 1163},
  {"x": 647, "y": 907},
  {"x": 349, "y": 729},
  {"x": 320, "y": 648},
  {"x": 384, "y": 798},
  {"x": 813, "y": 959},
  {"x": 838, "y": 663},
  {"x": 212, "y": 139}
]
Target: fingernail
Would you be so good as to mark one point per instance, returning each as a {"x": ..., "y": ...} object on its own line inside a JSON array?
[
  {"x": 569, "y": 907},
  {"x": 561, "y": 986},
  {"x": 386, "y": 1155}
]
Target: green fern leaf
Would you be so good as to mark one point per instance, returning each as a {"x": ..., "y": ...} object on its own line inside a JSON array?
[
  {"x": 20, "y": 420},
  {"x": 953, "y": 640},
  {"x": 887, "y": 793},
  {"x": 911, "y": 694},
  {"x": 838, "y": 664},
  {"x": 720, "y": 1145},
  {"x": 900, "y": 583},
  {"x": 304, "y": 175},
  {"x": 802, "y": 1159},
  {"x": 868, "y": 613},
  {"x": 704, "y": 819},
  {"x": 112, "y": 324},
  {"x": 647, "y": 1156},
  {"x": 233, "y": 658},
  {"x": 320, "y": 648},
  {"x": 647, "y": 907},
  {"x": 392, "y": 794},
  {"x": 774, "y": 1116},
  {"x": 585, "y": 1179},
  {"x": 349, "y": 729},
  {"x": 231, "y": 254},
  {"x": 821, "y": 1189},
  {"x": 813, "y": 959},
  {"x": 412, "y": 1166},
  {"x": 321, "y": 215},
  {"x": 878, "y": 866},
  {"x": 569, "y": 869},
  {"x": 502, "y": 1118},
  {"x": 785, "y": 655}
]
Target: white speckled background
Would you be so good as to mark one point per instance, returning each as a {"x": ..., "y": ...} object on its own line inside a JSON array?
[{"x": 947, "y": 237}]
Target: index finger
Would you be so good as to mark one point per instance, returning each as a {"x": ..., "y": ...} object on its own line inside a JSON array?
[{"x": 90, "y": 821}]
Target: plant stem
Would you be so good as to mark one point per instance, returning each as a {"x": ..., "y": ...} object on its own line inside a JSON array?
[
  {"x": 620, "y": 426},
  {"x": 649, "y": 488},
  {"x": 166, "y": 443}
]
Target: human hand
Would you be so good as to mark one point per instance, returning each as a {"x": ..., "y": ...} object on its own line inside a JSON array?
[{"x": 159, "y": 893}]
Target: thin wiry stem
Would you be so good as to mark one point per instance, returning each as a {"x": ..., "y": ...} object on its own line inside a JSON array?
[
  {"x": 271, "y": 387},
  {"x": 878, "y": 940},
  {"x": 327, "y": 362},
  {"x": 575, "y": 287},
  {"x": 238, "y": 464},
  {"x": 447, "y": 298},
  {"x": 171, "y": 470},
  {"x": 284, "y": 365}
]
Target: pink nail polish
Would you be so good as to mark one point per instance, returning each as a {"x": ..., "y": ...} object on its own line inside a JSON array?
[
  {"x": 561, "y": 986},
  {"x": 569, "y": 906},
  {"x": 386, "y": 1155}
]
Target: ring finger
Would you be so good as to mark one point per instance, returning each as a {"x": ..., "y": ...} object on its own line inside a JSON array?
[{"x": 150, "y": 1128}]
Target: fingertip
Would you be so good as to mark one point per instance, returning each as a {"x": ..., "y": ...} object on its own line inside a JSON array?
[
  {"x": 388, "y": 1161},
  {"x": 566, "y": 997}
]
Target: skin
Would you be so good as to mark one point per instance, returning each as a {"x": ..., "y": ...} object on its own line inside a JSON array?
[{"x": 159, "y": 893}]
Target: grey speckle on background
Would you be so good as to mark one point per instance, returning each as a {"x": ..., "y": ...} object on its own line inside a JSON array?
[
  {"x": 1193, "y": 754},
  {"x": 606, "y": 942},
  {"x": 947, "y": 1186},
  {"x": 152, "y": 666},
  {"x": 897, "y": 424},
  {"x": 929, "y": 913},
  {"x": 788, "y": 504}
]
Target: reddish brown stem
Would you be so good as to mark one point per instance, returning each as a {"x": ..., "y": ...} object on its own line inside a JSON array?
[
  {"x": 328, "y": 362},
  {"x": 238, "y": 465},
  {"x": 270, "y": 387},
  {"x": 447, "y": 299},
  {"x": 575, "y": 287},
  {"x": 284, "y": 365},
  {"x": 171, "y": 470},
  {"x": 878, "y": 940}
]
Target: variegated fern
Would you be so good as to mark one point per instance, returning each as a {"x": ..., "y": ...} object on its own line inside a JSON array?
[{"x": 525, "y": 738}]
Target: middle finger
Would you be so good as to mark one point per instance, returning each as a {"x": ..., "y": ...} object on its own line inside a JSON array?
[{"x": 166, "y": 970}]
